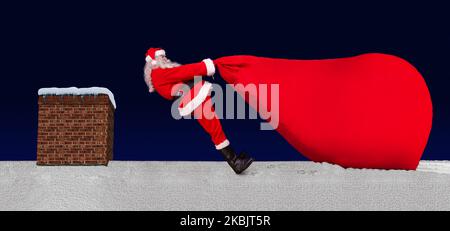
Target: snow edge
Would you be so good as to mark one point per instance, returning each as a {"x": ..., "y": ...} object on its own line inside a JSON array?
[{"x": 78, "y": 91}]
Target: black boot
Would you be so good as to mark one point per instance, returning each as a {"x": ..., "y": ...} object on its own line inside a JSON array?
[{"x": 237, "y": 163}]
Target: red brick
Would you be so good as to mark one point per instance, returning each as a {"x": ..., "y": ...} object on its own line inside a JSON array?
[{"x": 75, "y": 130}]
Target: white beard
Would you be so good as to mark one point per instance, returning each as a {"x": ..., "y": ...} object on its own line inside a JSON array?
[{"x": 149, "y": 66}]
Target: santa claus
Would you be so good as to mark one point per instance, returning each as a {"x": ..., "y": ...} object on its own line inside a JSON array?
[{"x": 174, "y": 81}]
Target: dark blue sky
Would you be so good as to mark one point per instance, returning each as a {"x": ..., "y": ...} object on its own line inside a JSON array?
[{"x": 98, "y": 43}]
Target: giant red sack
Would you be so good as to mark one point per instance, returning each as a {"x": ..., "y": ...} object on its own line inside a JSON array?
[{"x": 368, "y": 111}]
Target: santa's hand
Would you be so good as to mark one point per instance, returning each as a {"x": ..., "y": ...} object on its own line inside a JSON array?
[{"x": 210, "y": 68}]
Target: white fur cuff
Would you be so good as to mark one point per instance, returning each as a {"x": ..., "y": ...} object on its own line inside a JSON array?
[
  {"x": 224, "y": 144},
  {"x": 210, "y": 69}
]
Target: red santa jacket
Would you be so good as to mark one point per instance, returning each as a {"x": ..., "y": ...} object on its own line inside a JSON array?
[{"x": 168, "y": 82}]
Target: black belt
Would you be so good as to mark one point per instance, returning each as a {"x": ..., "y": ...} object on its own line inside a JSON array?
[{"x": 190, "y": 84}]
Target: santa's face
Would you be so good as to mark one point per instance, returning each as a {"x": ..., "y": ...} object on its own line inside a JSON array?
[{"x": 162, "y": 59}]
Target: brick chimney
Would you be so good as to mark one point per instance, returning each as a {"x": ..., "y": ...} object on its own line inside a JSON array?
[{"x": 75, "y": 126}]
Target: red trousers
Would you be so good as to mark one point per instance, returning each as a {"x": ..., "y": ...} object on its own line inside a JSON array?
[{"x": 207, "y": 118}]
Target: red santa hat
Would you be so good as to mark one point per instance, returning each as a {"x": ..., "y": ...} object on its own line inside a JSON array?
[
  {"x": 152, "y": 53},
  {"x": 150, "y": 58}
]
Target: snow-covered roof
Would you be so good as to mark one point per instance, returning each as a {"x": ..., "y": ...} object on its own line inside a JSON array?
[
  {"x": 78, "y": 91},
  {"x": 297, "y": 185}
]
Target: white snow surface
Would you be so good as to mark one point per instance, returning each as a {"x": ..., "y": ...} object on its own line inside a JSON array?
[
  {"x": 78, "y": 91},
  {"x": 174, "y": 185}
]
